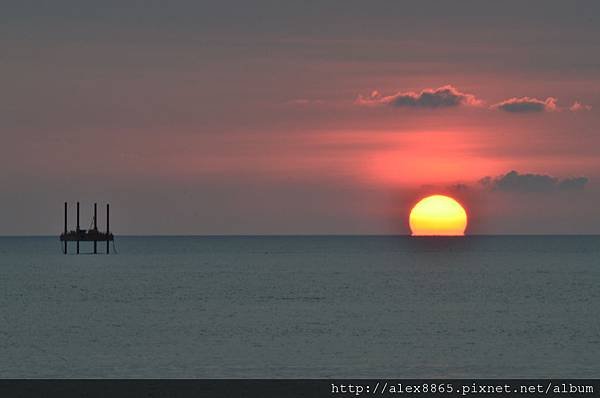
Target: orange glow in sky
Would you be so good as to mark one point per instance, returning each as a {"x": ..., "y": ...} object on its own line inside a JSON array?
[
  {"x": 438, "y": 215},
  {"x": 430, "y": 157}
]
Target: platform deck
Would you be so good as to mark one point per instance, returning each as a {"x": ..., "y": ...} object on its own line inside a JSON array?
[{"x": 86, "y": 236}]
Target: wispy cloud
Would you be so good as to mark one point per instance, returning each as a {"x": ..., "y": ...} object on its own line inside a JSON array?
[
  {"x": 305, "y": 102},
  {"x": 578, "y": 106}
]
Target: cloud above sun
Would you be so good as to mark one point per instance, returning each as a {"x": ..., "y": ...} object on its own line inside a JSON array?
[
  {"x": 527, "y": 104},
  {"x": 450, "y": 97},
  {"x": 532, "y": 105},
  {"x": 432, "y": 98}
]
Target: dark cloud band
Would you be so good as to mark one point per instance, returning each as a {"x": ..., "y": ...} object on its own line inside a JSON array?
[{"x": 515, "y": 182}]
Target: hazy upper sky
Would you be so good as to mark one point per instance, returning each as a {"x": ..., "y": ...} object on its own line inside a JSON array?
[{"x": 275, "y": 117}]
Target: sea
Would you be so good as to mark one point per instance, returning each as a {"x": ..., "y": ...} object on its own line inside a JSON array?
[{"x": 302, "y": 307}]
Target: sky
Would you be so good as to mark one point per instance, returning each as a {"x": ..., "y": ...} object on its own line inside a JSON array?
[{"x": 324, "y": 117}]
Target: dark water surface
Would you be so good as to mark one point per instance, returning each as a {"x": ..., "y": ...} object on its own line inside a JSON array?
[{"x": 511, "y": 306}]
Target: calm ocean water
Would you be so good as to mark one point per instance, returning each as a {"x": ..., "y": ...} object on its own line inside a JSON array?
[{"x": 302, "y": 307}]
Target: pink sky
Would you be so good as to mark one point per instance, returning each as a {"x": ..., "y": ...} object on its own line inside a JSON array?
[{"x": 242, "y": 128}]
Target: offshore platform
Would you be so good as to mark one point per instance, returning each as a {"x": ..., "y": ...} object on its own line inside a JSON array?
[{"x": 88, "y": 235}]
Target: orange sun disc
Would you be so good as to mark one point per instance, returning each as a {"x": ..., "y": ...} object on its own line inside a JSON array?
[{"x": 438, "y": 215}]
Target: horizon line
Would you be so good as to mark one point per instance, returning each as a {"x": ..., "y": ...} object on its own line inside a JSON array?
[{"x": 314, "y": 235}]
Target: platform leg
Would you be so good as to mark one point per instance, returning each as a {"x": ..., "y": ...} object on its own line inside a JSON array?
[
  {"x": 107, "y": 228},
  {"x": 65, "y": 233},
  {"x": 77, "y": 227},
  {"x": 95, "y": 226}
]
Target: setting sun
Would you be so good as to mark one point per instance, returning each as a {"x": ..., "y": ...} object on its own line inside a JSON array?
[{"x": 438, "y": 215}]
